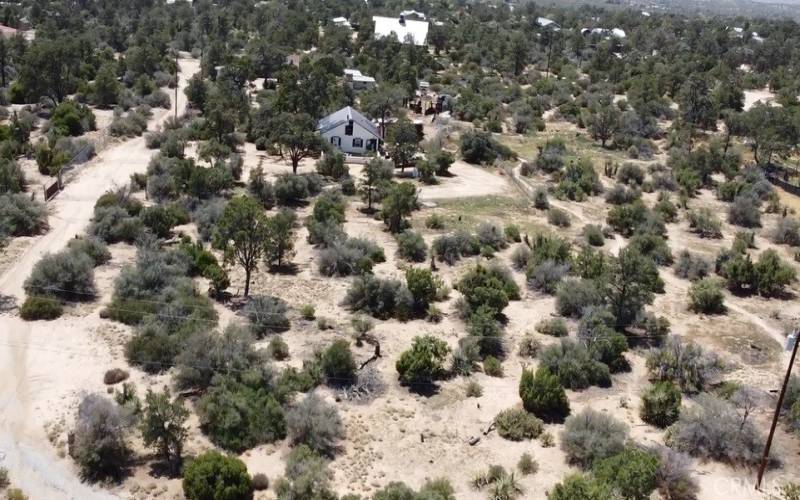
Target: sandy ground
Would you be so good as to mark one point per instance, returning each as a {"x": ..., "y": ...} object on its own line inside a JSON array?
[
  {"x": 42, "y": 370},
  {"x": 468, "y": 180},
  {"x": 764, "y": 96}
]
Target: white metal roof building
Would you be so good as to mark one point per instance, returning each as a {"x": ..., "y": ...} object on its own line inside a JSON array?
[{"x": 416, "y": 31}]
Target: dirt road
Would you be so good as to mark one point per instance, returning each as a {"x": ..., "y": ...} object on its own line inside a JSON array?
[{"x": 39, "y": 360}]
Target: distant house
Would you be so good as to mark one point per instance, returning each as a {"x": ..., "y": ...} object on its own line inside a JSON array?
[
  {"x": 358, "y": 81},
  {"x": 350, "y": 131},
  {"x": 341, "y": 22},
  {"x": 547, "y": 23},
  {"x": 615, "y": 32},
  {"x": 404, "y": 29}
]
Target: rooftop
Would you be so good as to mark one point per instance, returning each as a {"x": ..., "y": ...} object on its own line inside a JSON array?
[{"x": 402, "y": 28}]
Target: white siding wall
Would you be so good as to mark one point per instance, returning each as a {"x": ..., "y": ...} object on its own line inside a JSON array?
[{"x": 347, "y": 140}]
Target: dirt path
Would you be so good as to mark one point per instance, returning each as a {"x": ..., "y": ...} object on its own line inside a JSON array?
[
  {"x": 33, "y": 359},
  {"x": 467, "y": 180}
]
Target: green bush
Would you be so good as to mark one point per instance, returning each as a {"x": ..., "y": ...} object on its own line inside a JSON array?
[
  {"x": 424, "y": 362},
  {"x": 71, "y": 118},
  {"x": 744, "y": 211},
  {"x": 44, "y": 308},
  {"x": 21, "y": 216},
  {"x": 690, "y": 266},
  {"x": 99, "y": 439},
  {"x": 546, "y": 276},
  {"x": 67, "y": 274},
  {"x": 787, "y": 232},
  {"x": 661, "y": 404},
  {"x": 527, "y": 465},
  {"x": 266, "y": 314},
  {"x": 450, "y": 248},
  {"x": 491, "y": 286},
  {"x": 512, "y": 233},
  {"x": 575, "y": 366},
  {"x": 558, "y": 217},
  {"x": 590, "y": 436},
  {"x": 278, "y": 348},
  {"x": 12, "y": 178},
  {"x": 338, "y": 363},
  {"x": 594, "y": 235},
  {"x": 684, "y": 363},
  {"x": 555, "y": 327},
  {"x": 381, "y": 298},
  {"x": 480, "y": 147},
  {"x": 332, "y": 165},
  {"x": 207, "y": 353},
  {"x": 543, "y": 395},
  {"x": 214, "y": 476},
  {"x": 705, "y": 223},
  {"x": 705, "y": 296},
  {"x": 492, "y": 367},
  {"x": 574, "y": 295},
  {"x": 580, "y": 487},
  {"x": 516, "y": 425},
  {"x": 411, "y": 246},
  {"x": 632, "y": 473},
  {"x": 236, "y": 416},
  {"x": 352, "y": 256},
  {"x": 291, "y": 189}
]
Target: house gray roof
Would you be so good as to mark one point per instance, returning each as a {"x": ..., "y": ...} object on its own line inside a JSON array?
[{"x": 344, "y": 115}]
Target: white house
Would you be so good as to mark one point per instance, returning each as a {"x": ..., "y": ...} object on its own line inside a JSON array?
[
  {"x": 341, "y": 22},
  {"x": 357, "y": 80},
  {"x": 404, "y": 29},
  {"x": 350, "y": 131}
]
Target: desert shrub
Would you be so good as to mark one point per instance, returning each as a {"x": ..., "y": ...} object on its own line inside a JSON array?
[
  {"x": 594, "y": 235},
  {"x": 772, "y": 274},
  {"x": 558, "y": 217},
  {"x": 260, "y": 482},
  {"x": 480, "y": 147},
  {"x": 632, "y": 474},
  {"x": 291, "y": 189},
  {"x": 207, "y": 353},
  {"x": 546, "y": 276},
  {"x": 434, "y": 221},
  {"x": 620, "y": 195},
  {"x": 99, "y": 439},
  {"x": 705, "y": 223},
  {"x": 705, "y": 296},
  {"x": 492, "y": 367},
  {"x": 21, "y": 216},
  {"x": 516, "y": 425},
  {"x": 206, "y": 215},
  {"x": 661, "y": 404},
  {"x": 67, "y": 274},
  {"x": 381, "y": 298},
  {"x": 597, "y": 332},
  {"x": 713, "y": 429},
  {"x": 543, "y": 395},
  {"x": 491, "y": 285},
  {"x": 5, "y": 482},
  {"x": 214, "y": 476},
  {"x": 551, "y": 156},
  {"x": 540, "y": 199},
  {"x": 491, "y": 235},
  {"x": 12, "y": 178},
  {"x": 237, "y": 416},
  {"x": 411, "y": 246},
  {"x": 555, "y": 327},
  {"x": 338, "y": 363},
  {"x": 575, "y": 365},
  {"x": 527, "y": 465},
  {"x": 529, "y": 346},
  {"x": 332, "y": 165},
  {"x": 580, "y": 487},
  {"x": 266, "y": 315},
  {"x": 485, "y": 332},
  {"x": 95, "y": 249},
  {"x": 630, "y": 173},
  {"x": 674, "y": 476},
  {"x": 684, "y": 363},
  {"x": 307, "y": 476},
  {"x": 316, "y": 424},
  {"x": 132, "y": 124},
  {"x": 308, "y": 312},
  {"x": 573, "y": 295},
  {"x": 71, "y": 118},
  {"x": 115, "y": 376},
  {"x": 634, "y": 217},
  {"x": 665, "y": 208},
  {"x": 114, "y": 224},
  {"x": 423, "y": 362},
  {"x": 544, "y": 247},
  {"x": 787, "y": 232},
  {"x": 520, "y": 256},
  {"x": 40, "y": 308},
  {"x": 278, "y": 348},
  {"x": 473, "y": 389},
  {"x": 653, "y": 246},
  {"x": 590, "y": 436},
  {"x": 450, "y": 248},
  {"x": 512, "y": 234},
  {"x": 744, "y": 211},
  {"x": 690, "y": 266},
  {"x": 350, "y": 256}
]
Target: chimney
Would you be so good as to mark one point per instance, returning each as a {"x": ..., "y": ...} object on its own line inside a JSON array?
[{"x": 402, "y": 19}]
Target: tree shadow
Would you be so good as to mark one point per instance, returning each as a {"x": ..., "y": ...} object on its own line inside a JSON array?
[
  {"x": 165, "y": 469},
  {"x": 288, "y": 268}
]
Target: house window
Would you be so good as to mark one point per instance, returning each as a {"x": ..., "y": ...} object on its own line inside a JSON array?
[
  {"x": 336, "y": 141},
  {"x": 348, "y": 129},
  {"x": 358, "y": 142}
]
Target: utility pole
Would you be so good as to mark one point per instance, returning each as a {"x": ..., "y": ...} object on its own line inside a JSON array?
[{"x": 765, "y": 458}]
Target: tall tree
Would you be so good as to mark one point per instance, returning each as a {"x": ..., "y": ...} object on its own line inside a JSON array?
[
  {"x": 631, "y": 281},
  {"x": 402, "y": 142},
  {"x": 383, "y": 101},
  {"x": 697, "y": 107},
  {"x": 240, "y": 234},
  {"x": 377, "y": 174},
  {"x": 603, "y": 121},
  {"x": 400, "y": 201},
  {"x": 296, "y": 137},
  {"x": 279, "y": 241},
  {"x": 163, "y": 426}
]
